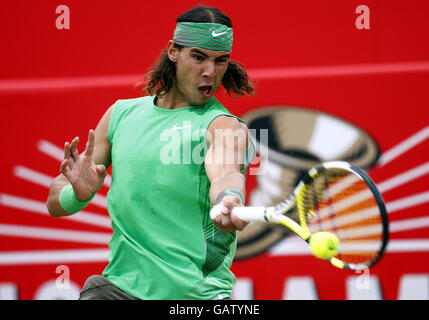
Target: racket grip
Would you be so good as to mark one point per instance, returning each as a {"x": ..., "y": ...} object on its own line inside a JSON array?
[{"x": 251, "y": 213}]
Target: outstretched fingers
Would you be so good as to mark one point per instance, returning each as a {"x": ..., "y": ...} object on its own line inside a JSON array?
[
  {"x": 67, "y": 152},
  {"x": 65, "y": 169},
  {"x": 73, "y": 149},
  {"x": 70, "y": 150},
  {"x": 90, "y": 144}
]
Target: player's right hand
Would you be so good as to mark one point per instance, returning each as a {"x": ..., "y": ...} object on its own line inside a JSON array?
[
  {"x": 83, "y": 174},
  {"x": 223, "y": 218}
]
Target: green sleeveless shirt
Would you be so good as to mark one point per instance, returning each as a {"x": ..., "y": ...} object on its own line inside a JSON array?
[{"x": 164, "y": 244}]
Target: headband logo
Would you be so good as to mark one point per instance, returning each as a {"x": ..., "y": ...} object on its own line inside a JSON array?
[{"x": 214, "y": 34}]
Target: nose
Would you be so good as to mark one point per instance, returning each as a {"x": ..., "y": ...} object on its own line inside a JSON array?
[{"x": 209, "y": 70}]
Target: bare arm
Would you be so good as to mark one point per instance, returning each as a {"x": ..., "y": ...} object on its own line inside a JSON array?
[
  {"x": 227, "y": 139},
  {"x": 86, "y": 171}
]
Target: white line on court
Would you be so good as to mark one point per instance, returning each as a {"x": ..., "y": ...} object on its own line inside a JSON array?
[
  {"x": 40, "y": 207},
  {"x": 54, "y": 234},
  {"x": 403, "y": 146},
  {"x": 45, "y": 181},
  {"x": 54, "y": 256}
]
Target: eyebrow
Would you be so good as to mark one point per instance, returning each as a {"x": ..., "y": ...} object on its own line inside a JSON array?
[{"x": 203, "y": 54}]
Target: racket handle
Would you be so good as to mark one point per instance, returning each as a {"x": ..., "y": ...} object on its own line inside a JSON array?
[{"x": 251, "y": 213}]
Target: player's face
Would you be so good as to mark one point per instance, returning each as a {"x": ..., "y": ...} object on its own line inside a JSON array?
[{"x": 199, "y": 73}]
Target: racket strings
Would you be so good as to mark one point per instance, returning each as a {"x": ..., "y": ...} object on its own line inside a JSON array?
[{"x": 343, "y": 204}]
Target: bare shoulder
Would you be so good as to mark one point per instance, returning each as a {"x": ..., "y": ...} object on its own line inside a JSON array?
[
  {"x": 225, "y": 126},
  {"x": 102, "y": 128},
  {"x": 225, "y": 122},
  {"x": 102, "y": 144},
  {"x": 106, "y": 116}
]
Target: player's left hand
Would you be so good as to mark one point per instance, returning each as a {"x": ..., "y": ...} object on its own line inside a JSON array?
[{"x": 222, "y": 215}]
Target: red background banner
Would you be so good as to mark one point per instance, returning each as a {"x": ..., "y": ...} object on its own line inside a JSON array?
[{"x": 56, "y": 84}]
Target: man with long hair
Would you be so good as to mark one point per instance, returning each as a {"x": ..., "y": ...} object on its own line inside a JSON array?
[{"x": 176, "y": 154}]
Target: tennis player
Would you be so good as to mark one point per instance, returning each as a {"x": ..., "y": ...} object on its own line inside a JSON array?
[{"x": 164, "y": 243}]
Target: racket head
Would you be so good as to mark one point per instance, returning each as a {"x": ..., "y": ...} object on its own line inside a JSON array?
[{"x": 340, "y": 198}]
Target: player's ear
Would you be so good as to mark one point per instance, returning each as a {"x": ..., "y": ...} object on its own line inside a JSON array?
[{"x": 172, "y": 51}]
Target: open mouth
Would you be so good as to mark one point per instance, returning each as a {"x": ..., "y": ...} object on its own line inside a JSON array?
[{"x": 206, "y": 90}]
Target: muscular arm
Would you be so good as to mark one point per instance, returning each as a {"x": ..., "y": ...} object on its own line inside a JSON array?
[
  {"x": 99, "y": 154},
  {"x": 227, "y": 139}
]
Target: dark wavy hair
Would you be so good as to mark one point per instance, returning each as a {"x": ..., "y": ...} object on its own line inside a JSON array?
[{"x": 160, "y": 79}]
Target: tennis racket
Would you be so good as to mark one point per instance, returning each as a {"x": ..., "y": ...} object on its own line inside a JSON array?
[{"x": 339, "y": 198}]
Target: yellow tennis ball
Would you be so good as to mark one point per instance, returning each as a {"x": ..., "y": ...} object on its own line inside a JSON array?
[{"x": 324, "y": 244}]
